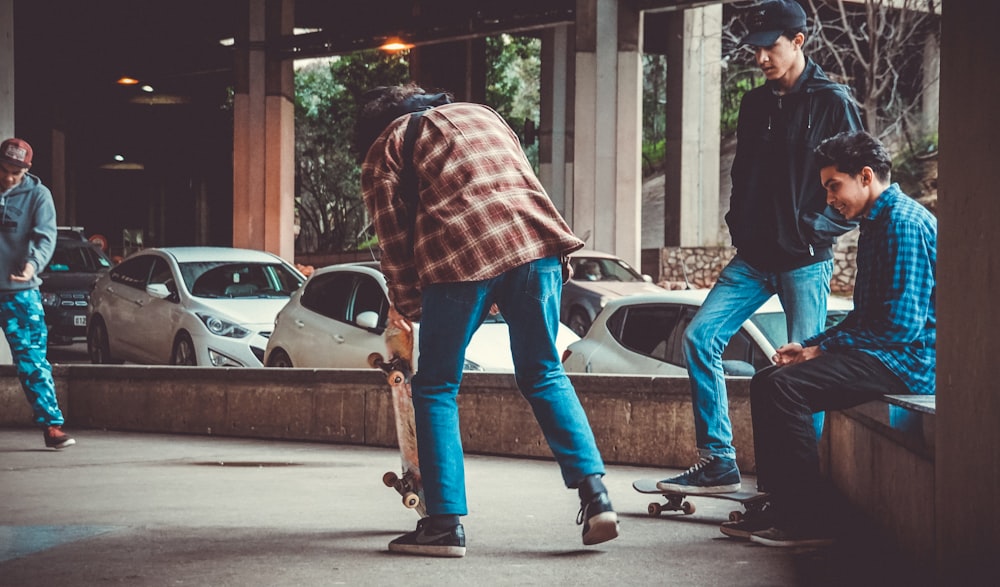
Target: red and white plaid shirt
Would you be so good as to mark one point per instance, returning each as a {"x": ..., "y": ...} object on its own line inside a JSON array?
[{"x": 482, "y": 210}]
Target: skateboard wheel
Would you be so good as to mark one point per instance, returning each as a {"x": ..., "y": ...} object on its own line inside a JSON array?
[
  {"x": 654, "y": 509},
  {"x": 395, "y": 378},
  {"x": 735, "y": 516},
  {"x": 687, "y": 507},
  {"x": 390, "y": 479},
  {"x": 374, "y": 360},
  {"x": 411, "y": 500}
]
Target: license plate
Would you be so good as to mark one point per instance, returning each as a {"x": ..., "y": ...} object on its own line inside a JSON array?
[{"x": 79, "y": 320}]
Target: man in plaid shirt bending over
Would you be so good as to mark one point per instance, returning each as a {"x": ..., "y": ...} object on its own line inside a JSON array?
[
  {"x": 481, "y": 232},
  {"x": 886, "y": 345}
]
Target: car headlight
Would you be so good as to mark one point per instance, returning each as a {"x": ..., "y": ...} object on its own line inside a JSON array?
[
  {"x": 472, "y": 366},
  {"x": 222, "y": 327},
  {"x": 50, "y": 299}
]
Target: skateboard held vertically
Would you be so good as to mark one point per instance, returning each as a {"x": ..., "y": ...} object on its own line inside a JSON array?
[
  {"x": 398, "y": 369},
  {"x": 753, "y": 502}
]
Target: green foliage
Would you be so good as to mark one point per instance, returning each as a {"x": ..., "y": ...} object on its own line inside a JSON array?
[
  {"x": 328, "y": 202},
  {"x": 734, "y": 85},
  {"x": 911, "y": 165},
  {"x": 654, "y": 154},
  {"x": 513, "y": 83}
]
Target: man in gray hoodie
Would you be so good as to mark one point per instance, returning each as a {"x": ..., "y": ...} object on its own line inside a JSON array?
[{"x": 27, "y": 240}]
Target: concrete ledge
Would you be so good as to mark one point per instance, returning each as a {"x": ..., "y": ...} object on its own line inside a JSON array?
[
  {"x": 636, "y": 420},
  {"x": 882, "y": 460}
]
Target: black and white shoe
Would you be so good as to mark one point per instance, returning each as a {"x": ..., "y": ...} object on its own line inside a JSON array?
[
  {"x": 428, "y": 541},
  {"x": 600, "y": 522}
]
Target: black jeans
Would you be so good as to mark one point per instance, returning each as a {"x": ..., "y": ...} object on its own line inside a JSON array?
[{"x": 783, "y": 400}]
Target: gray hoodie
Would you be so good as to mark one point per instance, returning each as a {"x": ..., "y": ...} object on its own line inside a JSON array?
[{"x": 27, "y": 231}]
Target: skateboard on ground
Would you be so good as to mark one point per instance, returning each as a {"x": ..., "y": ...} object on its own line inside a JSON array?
[
  {"x": 753, "y": 502},
  {"x": 398, "y": 369}
]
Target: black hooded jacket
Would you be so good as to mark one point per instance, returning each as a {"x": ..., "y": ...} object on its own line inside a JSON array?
[{"x": 778, "y": 217}]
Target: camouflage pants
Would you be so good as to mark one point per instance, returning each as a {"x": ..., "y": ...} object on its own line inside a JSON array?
[{"x": 23, "y": 320}]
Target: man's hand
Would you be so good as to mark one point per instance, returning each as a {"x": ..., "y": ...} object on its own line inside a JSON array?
[
  {"x": 399, "y": 321},
  {"x": 26, "y": 274},
  {"x": 793, "y": 353}
]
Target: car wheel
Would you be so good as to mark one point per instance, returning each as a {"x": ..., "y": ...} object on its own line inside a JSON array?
[
  {"x": 578, "y": 322},
  {"x": 279, "y": 358},
  {"x": 183, "y": 353},
  {"x": 98, "y": 346}
]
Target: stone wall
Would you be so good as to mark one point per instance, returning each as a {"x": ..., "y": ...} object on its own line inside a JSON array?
[{"x": 700, "y": 266}]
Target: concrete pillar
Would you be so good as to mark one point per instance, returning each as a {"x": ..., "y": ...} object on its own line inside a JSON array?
[
  {"x": 608, "y": 128},
  {"x": 264, "y": 132},
  {"x": 967, "y": 504},
  {"x": 6, "y": 69},
  {"x": 691, "y": 186},
  {"x": 555, "y": 127}
]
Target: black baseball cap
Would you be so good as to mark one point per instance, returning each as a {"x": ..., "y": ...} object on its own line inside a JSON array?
[{"x": 768, "y": 20}]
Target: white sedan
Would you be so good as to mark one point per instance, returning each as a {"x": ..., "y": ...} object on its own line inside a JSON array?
[
  {"x": 338, "y": 316},
  {"x": 211, "y": 306},
  {"x": 644, "y": 333}
]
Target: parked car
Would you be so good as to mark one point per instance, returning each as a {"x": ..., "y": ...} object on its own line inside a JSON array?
[
  {"x": 643, "y": 334},
  {"x": 598, "y": 278},
  {"x": 66, "y": 282},
  {"x": 211, "y": 306},
  {"x": 337, "y": 319}
]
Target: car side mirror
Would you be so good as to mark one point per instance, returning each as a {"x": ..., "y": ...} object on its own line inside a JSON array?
[
  {"x": 647, "y": 278},
  {"x": 368, "y": 320},
  {"x": 158, "y": 290}
]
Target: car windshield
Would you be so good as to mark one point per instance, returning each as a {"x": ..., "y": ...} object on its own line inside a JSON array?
[
  {"x": 602, "y": 269},
  {"x": 772, "y": 325},
  {"x": 77, "y": 259},
  {"x": 215, "y": 279}
]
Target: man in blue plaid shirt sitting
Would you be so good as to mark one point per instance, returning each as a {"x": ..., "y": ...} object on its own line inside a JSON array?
[{"x": 886, "y": 345}]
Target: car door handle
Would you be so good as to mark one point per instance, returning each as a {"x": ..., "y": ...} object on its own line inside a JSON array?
[
  {"x": 300, "y": 323},
  {"x": 340, "y": 339}
]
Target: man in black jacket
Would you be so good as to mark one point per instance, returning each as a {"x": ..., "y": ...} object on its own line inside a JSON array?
[{"x": 779, "y": 222}]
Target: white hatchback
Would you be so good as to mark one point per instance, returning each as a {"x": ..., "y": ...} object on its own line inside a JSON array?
[
  {"x": 338, "y": 316},
  {"x": 643, "y": 334},
  {"x": 211, "y": 306}
]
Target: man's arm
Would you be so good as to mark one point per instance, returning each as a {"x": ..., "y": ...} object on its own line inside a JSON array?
[
  {"x": 380, "y": 185},
  {"x": 901, "y": 317}
]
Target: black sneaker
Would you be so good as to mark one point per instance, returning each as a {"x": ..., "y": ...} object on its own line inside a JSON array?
[
  {"x": 56, "y": 438},
  {"x": 429, "y": 542},
  {"x": 788, "y": 537},
  {"x": 600, "y": 522},
  {"x": 714, "y": 474}
]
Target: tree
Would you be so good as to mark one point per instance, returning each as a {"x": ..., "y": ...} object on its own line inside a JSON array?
[{"x": 328, "y": 202}]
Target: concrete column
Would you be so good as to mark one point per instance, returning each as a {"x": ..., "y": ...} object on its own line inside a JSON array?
[
  {"x": 555, "y": 146},
  {"x": 967, "y": 504},
  {"x": 608, "y": 127},
  {"x": 6, "y": 69},
  {"x": 691, "y": 202},
  {"x": 264, "y": 133}
]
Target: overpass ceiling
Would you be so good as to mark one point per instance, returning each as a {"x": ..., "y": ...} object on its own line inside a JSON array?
[{"x": 69, "y": 53}]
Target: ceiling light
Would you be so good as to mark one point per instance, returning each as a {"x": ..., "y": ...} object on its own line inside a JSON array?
[
  {"x": 394, "y": 44},
  {"x": 119, "y": 158},
  {"x": 147, "y": 88},
  {"x": 127, "y": 81}
]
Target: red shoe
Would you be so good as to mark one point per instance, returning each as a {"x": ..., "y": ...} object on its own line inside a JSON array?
[{"x": 56, "y": 438}]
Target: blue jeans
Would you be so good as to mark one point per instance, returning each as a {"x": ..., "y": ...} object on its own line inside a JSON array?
[
  {"x": 740, "y": 291},
  {"x": 528, "y": 297},
  {"x": 23, "y": 319}
]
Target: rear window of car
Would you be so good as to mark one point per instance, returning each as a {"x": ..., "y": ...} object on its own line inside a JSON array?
[
  {"x": 213, "y": 279},
  {"x": 76, "y": 258}
]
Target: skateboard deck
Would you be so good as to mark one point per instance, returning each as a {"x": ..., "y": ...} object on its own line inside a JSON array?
[
  {"x": 753, "y": 502},
  {"x": 398, "y": 369}
]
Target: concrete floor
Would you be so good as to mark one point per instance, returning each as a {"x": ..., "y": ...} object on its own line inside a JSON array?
[{"x": 151, "y": 509}]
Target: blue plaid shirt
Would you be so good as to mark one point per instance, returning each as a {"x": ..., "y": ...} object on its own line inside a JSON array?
[{"x": 894, "y": 293}]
